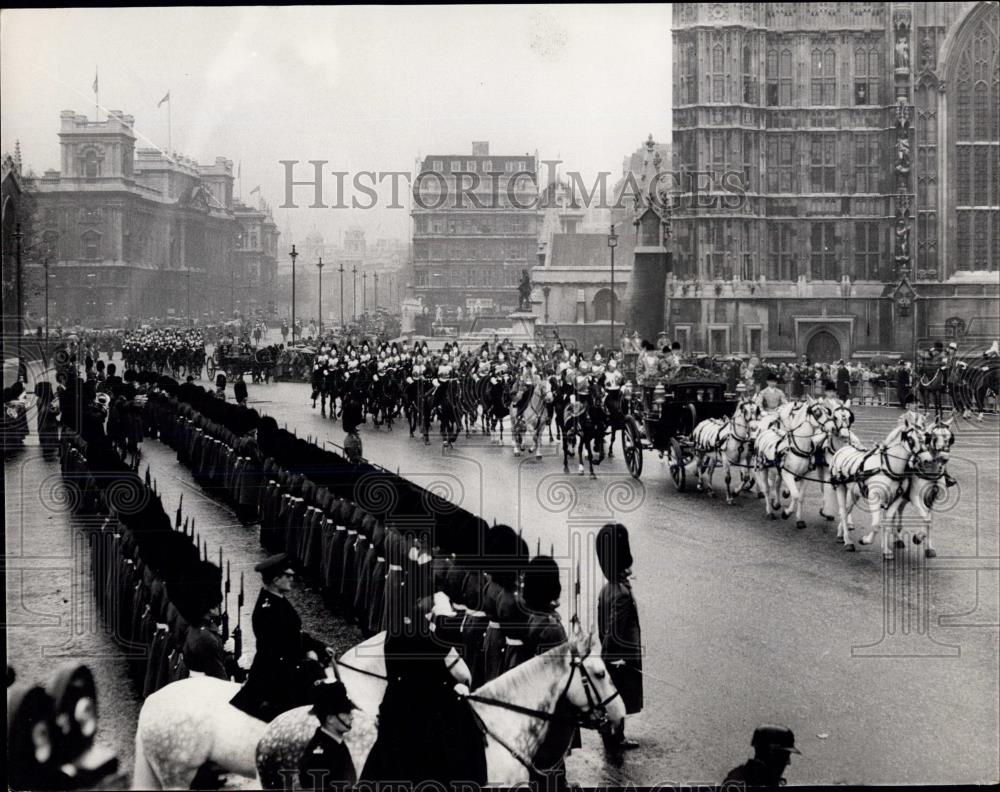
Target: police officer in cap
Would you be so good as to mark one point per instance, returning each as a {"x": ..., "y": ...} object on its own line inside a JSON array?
[
  {"x": 326, "y": 762},
  {"x": 275, "y": 683},
  {"x": 773, "y": 747}
]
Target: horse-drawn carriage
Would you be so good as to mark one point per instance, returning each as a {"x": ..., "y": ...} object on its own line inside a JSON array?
[
  {"x": 234, "y": 362},
  {"x": 662, "y": 417}
]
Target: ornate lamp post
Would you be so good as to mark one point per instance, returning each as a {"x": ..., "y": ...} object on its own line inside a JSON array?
[
  {"x": 364, "y": 293},
  {"x": 376, "y": 291},
  {"x": 354, "y": 294},
  {"x": 612, "y": 243},
  {"x": 341, "y": 271},
  {"x": 319, "y": 266},
  {"x": 294, "y": 254}
]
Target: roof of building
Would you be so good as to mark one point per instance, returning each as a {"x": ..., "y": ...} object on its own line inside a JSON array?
[{"x": 591, "y": 250}]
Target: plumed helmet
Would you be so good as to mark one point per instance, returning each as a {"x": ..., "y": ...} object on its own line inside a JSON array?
[
  {"x": 614, "y": 553},
  {"x": 542, "y": 585}
]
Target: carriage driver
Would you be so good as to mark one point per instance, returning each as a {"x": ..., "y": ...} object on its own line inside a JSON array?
[{"x": 771, "y": 397}]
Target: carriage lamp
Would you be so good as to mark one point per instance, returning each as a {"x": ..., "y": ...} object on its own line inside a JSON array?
[{"x": 659, "y": 394}]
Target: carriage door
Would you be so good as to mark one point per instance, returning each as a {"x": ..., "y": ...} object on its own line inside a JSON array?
[{"x": 823, "y": 348}]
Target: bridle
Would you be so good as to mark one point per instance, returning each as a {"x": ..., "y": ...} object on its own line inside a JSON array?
[{"x": 595, "y": 716}]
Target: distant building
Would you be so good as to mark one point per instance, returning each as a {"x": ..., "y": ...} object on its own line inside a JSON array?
[
  {"x": 867, "y": 137},
  {"x": 140, "y": 233},
  {"x": 471, "y": 245}
]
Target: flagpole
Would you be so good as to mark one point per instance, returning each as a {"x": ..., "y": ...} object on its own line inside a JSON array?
[
  {"x": 97, "y": 96},
  {"x": 170, "y": 145}
]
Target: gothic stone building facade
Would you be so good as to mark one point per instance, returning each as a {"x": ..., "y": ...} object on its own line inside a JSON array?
[
  {"x": 140, "y": 234},
  {"x": 867, "y": 137}
]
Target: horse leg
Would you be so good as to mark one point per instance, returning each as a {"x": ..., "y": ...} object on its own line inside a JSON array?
[{"x": 923, "y": 502}]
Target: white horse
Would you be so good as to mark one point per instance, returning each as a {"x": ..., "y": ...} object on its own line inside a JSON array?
[
  {"x": 881, "y": 475},
  {"x": 726, "y": 442},
  {"x": 189, "y": 722},
  {"x": 531, "y": 421},
  {"x": 927, "y": 483},
  {"x": 515, "y": 711}
]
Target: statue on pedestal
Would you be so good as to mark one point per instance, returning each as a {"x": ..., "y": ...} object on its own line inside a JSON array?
[{"x": 524, "y": 292}]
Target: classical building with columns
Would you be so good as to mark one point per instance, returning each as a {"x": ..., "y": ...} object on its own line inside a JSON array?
[
  {"x": 140, "y": 233},
  {"x": 866, "y": 137}
]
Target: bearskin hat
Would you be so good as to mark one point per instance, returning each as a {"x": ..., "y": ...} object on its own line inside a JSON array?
[
  {"x": 542, "y": 585},
  {"x": 614, "y": 553},
  {"x": 196, "y": 590}
]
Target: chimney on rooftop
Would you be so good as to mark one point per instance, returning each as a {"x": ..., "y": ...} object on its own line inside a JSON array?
[{"x": 480, "y": 148}]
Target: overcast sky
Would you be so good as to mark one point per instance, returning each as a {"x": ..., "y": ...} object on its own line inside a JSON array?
[{"x": 367, "y": 88}]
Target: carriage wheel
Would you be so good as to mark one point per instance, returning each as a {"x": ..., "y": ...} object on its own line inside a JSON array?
[
  {"x": 675, "y": 458},
  {"x": 632, "y": 446}
]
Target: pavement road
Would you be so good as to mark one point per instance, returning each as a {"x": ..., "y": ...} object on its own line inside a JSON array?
[{"x": 887, "y": 672}]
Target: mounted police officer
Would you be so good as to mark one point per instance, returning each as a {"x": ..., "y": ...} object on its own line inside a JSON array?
[{"x": 275, "y": 682}]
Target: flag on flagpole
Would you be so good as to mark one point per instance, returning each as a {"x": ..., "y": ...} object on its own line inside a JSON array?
[
  {"x": 255, "y": 190},
  {"x": 164, "y": 99},
  {"x": 95, "y": 80}
]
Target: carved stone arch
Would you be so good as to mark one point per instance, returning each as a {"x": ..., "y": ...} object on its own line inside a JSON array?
[{"x": 972, "y": 77}]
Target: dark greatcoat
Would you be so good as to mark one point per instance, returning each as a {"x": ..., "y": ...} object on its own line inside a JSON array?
[
  {"x": 621, "y": 641},
  {"x": 326, "y": 764},
  {"x": 273, "y": 684},
  {"x": 426, "y": 733}
]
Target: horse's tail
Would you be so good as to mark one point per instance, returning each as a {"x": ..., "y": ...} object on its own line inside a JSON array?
[{"x": 143, "y": 775}]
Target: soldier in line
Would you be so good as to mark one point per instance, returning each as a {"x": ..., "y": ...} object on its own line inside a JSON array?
[
  {"x": 618, "y": 627},
  {"x": 773, "y": 748}
]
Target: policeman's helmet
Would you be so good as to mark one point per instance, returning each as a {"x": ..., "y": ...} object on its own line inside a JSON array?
[{"x": 774, "y": 738}]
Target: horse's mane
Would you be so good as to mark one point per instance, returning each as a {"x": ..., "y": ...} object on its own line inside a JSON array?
[{"x": 503, "y": 685}]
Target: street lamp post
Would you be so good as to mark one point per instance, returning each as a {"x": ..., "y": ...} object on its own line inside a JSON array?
[
  {"x": 341, "y": 271},
  {"x": 319, "y": 266},
  {"x": 364, "y": 293},
  {"x": 376, "y": 291},
  {"x": 190, "y": 321},
  {"x": 294, "y": 254},
  {"x": 612, "y": 243},
  {"x": 354, "y": 294},
  {"x": 46, "y": 311}
]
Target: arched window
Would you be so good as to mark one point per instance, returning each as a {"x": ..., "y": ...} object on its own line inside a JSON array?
[
  {"x": 90, "y": 164},
  {"x": 824, "y": 66},
  {"x": 785, "y": 78},
  {"x": 602, "y": 306},
  {"x": 718, "y": 73},
  {"x": 974, "y": 64},
  {"x": 771, "y": 74}
]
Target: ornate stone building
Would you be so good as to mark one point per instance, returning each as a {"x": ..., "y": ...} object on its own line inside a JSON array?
[
  {"x": 866, "y": 135},
  {"x": 140, "y": 234}
]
